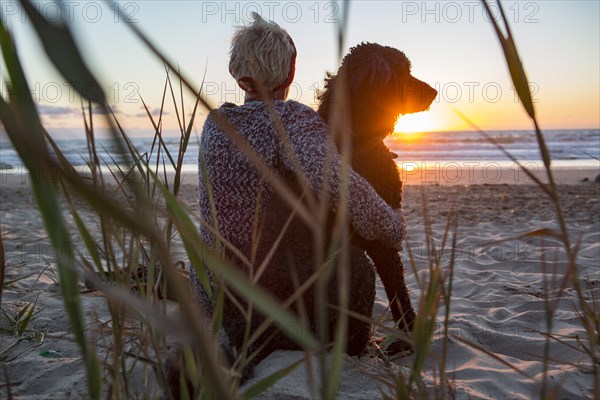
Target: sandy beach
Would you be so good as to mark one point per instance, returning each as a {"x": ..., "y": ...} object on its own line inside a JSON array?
[{"x": 497, "y": 299}]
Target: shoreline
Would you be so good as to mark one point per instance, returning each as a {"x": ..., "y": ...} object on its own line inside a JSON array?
[
  {"x": 442, "y": 173},
  {"x": 495, "y": 172}
]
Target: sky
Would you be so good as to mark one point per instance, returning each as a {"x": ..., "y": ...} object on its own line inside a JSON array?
[{"x": 451, "y": 45}]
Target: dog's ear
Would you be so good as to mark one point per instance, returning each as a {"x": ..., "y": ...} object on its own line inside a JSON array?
[{"x": 326, "y": 96}]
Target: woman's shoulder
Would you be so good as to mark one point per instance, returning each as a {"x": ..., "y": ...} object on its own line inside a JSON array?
[
  {"x": 232, "y": 112},
  {"x": 298, "y": 112},
  {"x": 296, "y": 106}
]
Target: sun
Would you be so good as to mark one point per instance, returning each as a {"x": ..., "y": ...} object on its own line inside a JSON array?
[{"x": 415, "y": 123}]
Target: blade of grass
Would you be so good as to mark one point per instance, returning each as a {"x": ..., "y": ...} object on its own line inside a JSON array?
[
  {"x": 159, "y": 134},
  {"x": 25, "y": 319},
  {"x": 428, "y": 305},
  {"x": 447, "y": 299},
  {"x": 20, "y": 123},
  {"x": 2, "y": 267},
  {"x": 331, "y": 374},
  {"x": 60, "y": 47},
  {"x": 89, "y": 242},
  {"x": 515, "y": 67},
  {"x": 19, "y": 278}
]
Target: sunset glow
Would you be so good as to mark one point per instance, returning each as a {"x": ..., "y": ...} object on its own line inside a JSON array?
[{"x": 414, "y": 123}]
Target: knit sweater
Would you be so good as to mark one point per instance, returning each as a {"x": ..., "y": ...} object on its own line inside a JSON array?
[{"x": 240, "y": 193}]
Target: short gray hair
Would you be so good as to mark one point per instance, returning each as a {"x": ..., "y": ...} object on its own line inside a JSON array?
[{"x": 263, "y": 52}]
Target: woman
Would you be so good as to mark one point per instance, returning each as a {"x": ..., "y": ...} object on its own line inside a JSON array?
[{"x": 292, "y": 140}]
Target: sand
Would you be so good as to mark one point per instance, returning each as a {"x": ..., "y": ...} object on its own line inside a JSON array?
[{"x": 497, "y": 301}]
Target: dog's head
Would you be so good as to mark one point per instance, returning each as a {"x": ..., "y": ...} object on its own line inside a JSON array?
[{"x": 380, "y": 87}]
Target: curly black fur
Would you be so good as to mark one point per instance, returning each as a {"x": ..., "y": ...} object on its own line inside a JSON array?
[{"x": 380, "y": 87}]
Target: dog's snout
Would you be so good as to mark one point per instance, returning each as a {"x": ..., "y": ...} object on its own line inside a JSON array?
[
  {"x": 426, "y": 93},
  {"x": 417, "y": 96}
]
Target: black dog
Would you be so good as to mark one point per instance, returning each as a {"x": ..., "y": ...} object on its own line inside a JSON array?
[{"x": 379, "y": 87}]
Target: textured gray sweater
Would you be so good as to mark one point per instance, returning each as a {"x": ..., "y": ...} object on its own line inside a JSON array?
[{"x": 240, "y": 194}]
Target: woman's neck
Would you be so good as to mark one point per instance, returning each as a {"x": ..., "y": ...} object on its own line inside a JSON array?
[{"x": 278, "y": 95}]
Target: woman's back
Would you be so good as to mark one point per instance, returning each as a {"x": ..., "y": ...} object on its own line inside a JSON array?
[{"x": 239, "y": 190}]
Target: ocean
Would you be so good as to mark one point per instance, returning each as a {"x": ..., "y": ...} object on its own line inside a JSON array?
[
  {"x": 575, "y": 144},
  {"x": 575, "y": 147}
]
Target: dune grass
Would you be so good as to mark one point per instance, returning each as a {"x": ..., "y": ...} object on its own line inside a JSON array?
[{"x": 140, "y": 220}]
